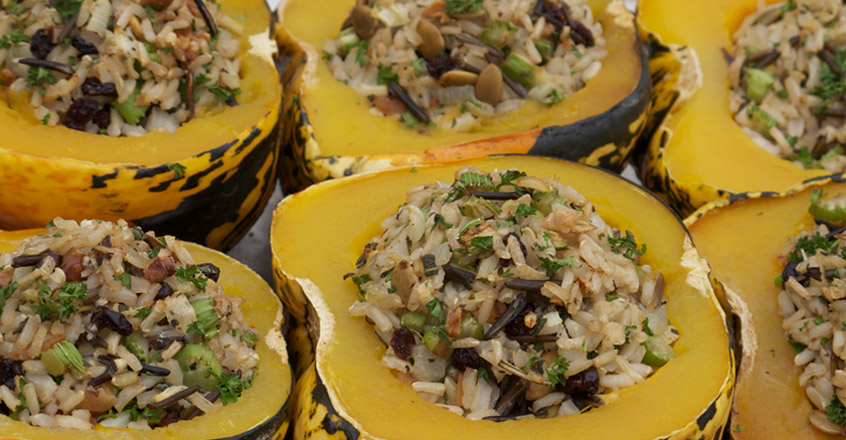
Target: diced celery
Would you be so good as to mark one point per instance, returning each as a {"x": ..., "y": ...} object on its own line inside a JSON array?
[
  {"x": 519, "y": 71},
  {"x": 758, "y": 83}
]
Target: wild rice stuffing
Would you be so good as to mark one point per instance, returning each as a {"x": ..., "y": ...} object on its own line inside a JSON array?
[
  {"x": 787, "y": 83},
  {"x": 118, "y": 67},
  {"x": 504, "y": 295},
  {"x": 453, "y": 63},
  {"x": 105, "y": 324}
]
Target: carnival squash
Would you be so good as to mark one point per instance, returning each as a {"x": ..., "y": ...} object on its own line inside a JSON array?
[
  {"x": 769, "y": 403},
  {"x": 697, "y": 153},
  {"x": 262, "y": 412},
  {"x": 329, "y": 131},
  {"x": 344, "y": 391},
  {"x": 207, "y": 182}
]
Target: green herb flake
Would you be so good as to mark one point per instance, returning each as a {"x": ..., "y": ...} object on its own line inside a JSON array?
[
  {"x": 463, "y": 6},
  {"x": 556, "y": 371},
  {"x": 125, "y": 280},
  {"x": 15, "y": 36},
  {"x": 409, "y": 119},
  {"x": 836, "y": 412},
  {"x": 810, "y": 245},
  {"x": 178, "y": 170},
  {"x": 192, "y": 274},
  {"x": 551, "y": 265},
  {"x": 417, "y": 65},
  {"x": 46, "y": 119},
  {"x": 524, "y": 210},
  {"x": 386, "y": 76},
  {"x": 627, "y": 246}
]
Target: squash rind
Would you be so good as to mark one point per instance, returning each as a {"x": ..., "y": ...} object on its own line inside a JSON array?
[
  {"x": 766, "y": 362},
  {"x": 229, "y": 169},
  {"x": 321, "y": 406},
  {"x": 263, "y": 412},
  {"x": 692, "y": 150},
  {"x": 604, "y": 138}
]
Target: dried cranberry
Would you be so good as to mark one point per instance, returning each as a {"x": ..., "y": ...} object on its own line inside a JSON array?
[
  {"x": 41, "y": 43},
  {"x": 114, "y": 321},
  {"x": 93, "y": 86},
  {"x": 439, "y": 65},
  {"x": 211, "y": 271},
  {"x": 402, "y": 342},
  {"x": 517, "y": 326},
  {"x": 584, "y": 384},
  {"x": 84, "y": 47},
  {"x": 80, "y": 112},
  {"x": 8, "y": 370},
  {"x": 465, "y": 358}
]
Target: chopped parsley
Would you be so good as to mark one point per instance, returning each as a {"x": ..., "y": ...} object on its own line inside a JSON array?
[
  {"x": 551, "y": 265},
  {"x": 6, "y": 292},
  {"x": 22, "y": 397},
  {"x": 481, "y": 244},
  {"x": 463, "y": 6},
  {"x": 804, "y": 157},
  {"x": 831, "y": 85},
  {"x": 836, "y": 412},
  {"x": 610, "y": 297},
  {"x": 386, "y": 76},
  {"x": 151, "y": 14},
  {"x": 125, "y": 280},
  {"x": 417, "y": 65},
  {"x": 192, "y": 274},
  {"x": 554, "y": 98},
  {"x": 223, "y": 94},
  {"x": 627, "y": 246},
  {"x": 358, "y": 281},
  {"x": 39, "y": 76},
  {"x": 440, "y": 221},
  {"x": 67, "y": 8},
  {"x": 143, "y": 312},
  {"x": 466, "y": 182},
  {"x": 533, "y": 359},
  {"x": 231, "y": 386},
  {"x": 46, "y": 119},
  {"x": 152, "y": 416},
  {"x": 154, "y": 252},
  {"x": 178, "y": 170},
  {"x": 810, "y": 245},
  {"x": 556, "y": 371},
  {"x": 361, "y": 54},
  {"x": 16, "y": 36},
  {"x": 62, "y": 304},
  {"x": 525, "y": 210}
]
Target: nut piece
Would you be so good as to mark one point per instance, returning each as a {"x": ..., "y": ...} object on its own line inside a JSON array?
[
  {"x": 458, "y": 78},
  {"x": 363, "y": 22},
  {"x": 489, "y": 85},
  {"x": 433, "y": 41}
]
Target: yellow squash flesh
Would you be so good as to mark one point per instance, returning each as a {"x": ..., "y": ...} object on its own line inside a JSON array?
[
  {"x": 331, "y": 133},
  {"x": 697, "y": 153},
  {"x": 344, "y": 391},
  {"x": 741, "y": 240},
  {"x": 229, "y": 160},
  {"x": 262, "y": 412}
]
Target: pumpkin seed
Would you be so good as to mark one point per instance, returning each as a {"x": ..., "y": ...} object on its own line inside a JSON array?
[
  {"x": 458, "y": 78},
  {"x": 363, "y": 21},
  {"x": 489, "y": 85},
  {"x": 433, "y": 41}
]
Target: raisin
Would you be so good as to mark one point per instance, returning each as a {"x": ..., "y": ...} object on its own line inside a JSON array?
[
  {"x": 84, "y": 47},
  {"x": 114, "y": 321},
  {"x": 465, "y": 358},
  {"x": 8, "y": 370},
  {"x": 93, "y": 86},
  {"x": 581, "y": 34},
  {"x": 80, "y": 112},
  {"x": 211, "y": 271},
  {"x": 402, "y": 342},
  {"x": 164, "y": 292},
  {"x": 517, "y": 326},
  {"x": 42, "y": 43},
  {"x": 103, "y": 118},
  {"x": 553, "y": 11},
  {"x": 584, "y": 384},
  {"x": 439, "y": 65}
]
